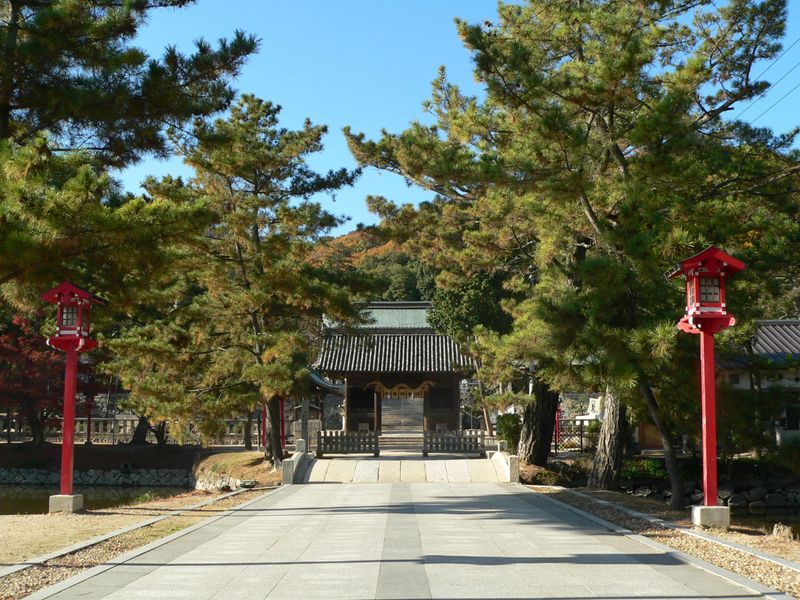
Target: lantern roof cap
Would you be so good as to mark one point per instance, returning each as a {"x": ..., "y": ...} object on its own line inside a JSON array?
[
  {"x": 727, "y": 263},
  {"x": 65, "y": 288}
]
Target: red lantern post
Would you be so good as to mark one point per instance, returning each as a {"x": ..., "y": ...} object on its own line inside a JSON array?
[
  {"x": 706, "y": 314},
  {"x": 73, "y": 328}
]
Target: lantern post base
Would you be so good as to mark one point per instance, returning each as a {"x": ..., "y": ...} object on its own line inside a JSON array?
[
  {"x": 718, "y": 517},
  {"x": 66, "y": 503}
]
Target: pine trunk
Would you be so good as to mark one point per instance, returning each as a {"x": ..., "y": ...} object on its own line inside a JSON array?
[
  {"x": 10, "y": 58},
  {"x": 274, "y": 450},
  {"x": 607, "y": 462},
  {"x": 538, "y": 423},
  {"x": 248, "y": 432},
  {"x": 141, "y": 431},
  {"x": 487, "y": 422},
  {"x": 670, "y": 458},
  {"x": 38, "y": 428},
  {"x": 160, "y": 431}
]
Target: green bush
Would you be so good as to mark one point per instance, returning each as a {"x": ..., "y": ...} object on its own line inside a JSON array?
[
  {"x": 787, "y": 455},
  {"x": 647, "y": 469},
  {"x": 593, "y": 433},
  {"x": 508, "y": 429},
  {"x": 147, "y": 496}
]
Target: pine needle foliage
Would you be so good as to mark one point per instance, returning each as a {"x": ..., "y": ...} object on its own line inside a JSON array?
[
  {"x": 232, "y": 324},
  {"x": 598, "y": 159},
  {"x": 69, "y": 68}
]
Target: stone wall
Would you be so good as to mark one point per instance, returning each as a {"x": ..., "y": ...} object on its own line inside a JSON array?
[
  {"x": 216, "y": 481},
  {"x": 116, "y": 477},
  {"x": 755, "y": 495}
]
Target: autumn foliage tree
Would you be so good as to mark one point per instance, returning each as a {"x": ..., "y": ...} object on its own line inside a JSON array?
[{"x": 31, "y": 375}]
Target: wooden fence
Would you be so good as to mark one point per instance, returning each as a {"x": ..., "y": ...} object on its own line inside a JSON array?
[
  {"x": 347, "y": 442},
  {"x": 468, "y": 441}
]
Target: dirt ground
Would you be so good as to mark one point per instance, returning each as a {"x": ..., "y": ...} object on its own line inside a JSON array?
[
  {"x": 27, "y": 536},
  {"x": 747, "y": 536}
]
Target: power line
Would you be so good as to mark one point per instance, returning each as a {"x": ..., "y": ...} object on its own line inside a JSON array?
[
  {"x": 775, "y": 103},
  {"x": 768, "y": 67},
  {"x": 757, "y": 100},
  {"x": 772, "y": 63}
]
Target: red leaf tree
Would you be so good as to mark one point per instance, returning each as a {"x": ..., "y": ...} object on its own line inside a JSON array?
[{"x": 31, "y": 375}]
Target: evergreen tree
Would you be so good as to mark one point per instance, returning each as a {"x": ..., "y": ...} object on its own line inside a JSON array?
[
  {"x": 232, "y": 324},
  {"x": 61, "y": 217},
  {"x": 599, "y": 158},
  {"x": 77, "y": 98},
  {"x": 69, "y": 68}
]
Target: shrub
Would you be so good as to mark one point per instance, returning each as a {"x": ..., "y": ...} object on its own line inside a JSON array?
[
  {"x": 508, "y": 428},
  {"x": 533, "y": 475},
  {"x": 787, "y": 455},
  {"x": 147, "y": 496},
  {"x": 593, "y": 433},
  {"x": 644, "y": 469}
]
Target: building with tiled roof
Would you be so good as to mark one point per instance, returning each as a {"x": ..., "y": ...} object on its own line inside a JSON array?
[
  {"x": 775, "y": 361},
  {"x": 399, "y": 374}
]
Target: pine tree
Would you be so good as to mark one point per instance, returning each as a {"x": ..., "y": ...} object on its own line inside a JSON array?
[
  {"x": 77, "y": 98},
  {"x": 69, "y": 68},
  {"x": 599, "y": 158},
  {"x": 234, "y": 324},
  {"x": 61, "y": 217}
]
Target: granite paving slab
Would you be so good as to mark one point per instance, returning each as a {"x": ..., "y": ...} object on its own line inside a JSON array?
[{"x": 401, "y": 540}]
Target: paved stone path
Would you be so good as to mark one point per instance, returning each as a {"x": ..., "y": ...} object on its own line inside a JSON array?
[
  {"x": 402, "y": 541},
  {"x": 400, "y": 468}
]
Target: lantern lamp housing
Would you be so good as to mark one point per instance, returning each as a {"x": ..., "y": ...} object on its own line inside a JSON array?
[
  {"x": 706, "y": 274},
  {"x": 73, "y": 317}
]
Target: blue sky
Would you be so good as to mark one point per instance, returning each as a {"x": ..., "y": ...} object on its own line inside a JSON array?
[{"x": 369, "y": 64}]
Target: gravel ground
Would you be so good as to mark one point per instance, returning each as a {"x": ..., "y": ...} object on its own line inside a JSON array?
[
  {"x": 746, "y": 536},
  {"x": 22, "y": 583},
  {"x": 765, "y": 572}
]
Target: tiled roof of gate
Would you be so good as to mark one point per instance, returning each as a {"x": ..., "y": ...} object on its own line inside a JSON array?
[
  {"x": 392, "y": 315},
  {"x": 776, "y": 341},
  {"x": 391, "y": 353}
]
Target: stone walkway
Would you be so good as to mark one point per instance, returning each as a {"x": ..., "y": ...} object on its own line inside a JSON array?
[
  {"x": 401, "y": 467},
  {"x": 400, "y": 541}
]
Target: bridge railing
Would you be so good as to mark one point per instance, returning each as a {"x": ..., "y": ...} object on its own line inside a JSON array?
[
  {"x": 468, "y": 441},
  {"x": 347, "y": 442}
]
